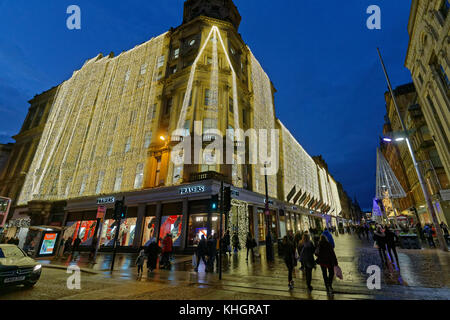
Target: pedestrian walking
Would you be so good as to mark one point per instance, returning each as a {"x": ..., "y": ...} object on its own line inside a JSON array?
[
  {"x": 288, "y": 249},
  {"x": 93, "y": 249},
  {"x": 140, "y": 263},
  {"x": 300, "y": 248},
  {"x": 250, "y": 244},
  {"x": 329, "y": 236},
  {"x": 327, "y": 260},
  {"x": 307, "y": 259},
  {"x": 76, "y": 247},
  {"x": 380, "y": 244},
  {"x": 152, "y": 251},
  {"x": 236, "y": 244},
  {"x": 428, "y": 232},
  {"x": 212, "y": 252},
  {"x": 391, "y": 240},
  {"x": 166, "y": 252},
  {"x": 445, "y": 231},
  {"x": 202, "y": 250}
]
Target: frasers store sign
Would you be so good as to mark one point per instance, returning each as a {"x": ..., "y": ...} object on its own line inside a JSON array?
[{"x": 190, "y": 190}]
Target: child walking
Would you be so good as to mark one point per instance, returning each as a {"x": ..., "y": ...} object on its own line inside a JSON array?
[{"x": 140, "y": 263}]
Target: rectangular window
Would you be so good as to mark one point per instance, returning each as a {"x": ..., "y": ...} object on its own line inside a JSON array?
[
  {"x": 128, "y": 145},
  {"x": 161, "y": 60},
  {"x": 159, "y": 76},
  {"x": 168, "y": 108},
  {"x": 230, "y": 104},
  {"x": 148, "y": 139},
  {"x": 101, "y": 176},
  {"x": 177, "y": 174},
  {"x": 208, "y": 97},
  {"x": 151, "y": 112},
  {"x": 209, "y": 60},
  {"x": 127, "y": 75},
  {"x": 143, "y": 69},
  {"x": 209, "y": 123},
  {"x": 138, "y": 180},
  {"x": 187, "y": 128},
  {"x": 83, "y": 184},
  {"x": 176, "y": 53},
  {"x": 158, "y": 170},
  {"x": 118, "y": 180},
  {"x": 173, "y": 70}
]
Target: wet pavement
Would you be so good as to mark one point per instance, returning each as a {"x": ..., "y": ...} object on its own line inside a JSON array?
[{"x": 424, "y": 274}]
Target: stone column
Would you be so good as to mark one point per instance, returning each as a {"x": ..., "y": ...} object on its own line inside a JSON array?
[
  {"x": 184, "y": 230},
  {"x": 158, "y": 220},
  {"x": 255, "y": 224},
  {"x": 139, "y": 225}
]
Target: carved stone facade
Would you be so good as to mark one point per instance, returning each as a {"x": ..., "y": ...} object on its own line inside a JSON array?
[{"x": 428, "y": 59}]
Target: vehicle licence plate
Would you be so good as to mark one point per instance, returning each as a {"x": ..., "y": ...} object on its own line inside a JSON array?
[{"x": 15, "y": 279}]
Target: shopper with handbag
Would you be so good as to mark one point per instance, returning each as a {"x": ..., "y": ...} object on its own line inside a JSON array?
[{"x": 327, "y": 260}]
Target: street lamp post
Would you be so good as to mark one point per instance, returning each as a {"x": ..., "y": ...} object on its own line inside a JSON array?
[{"x": 426, "y": 194}]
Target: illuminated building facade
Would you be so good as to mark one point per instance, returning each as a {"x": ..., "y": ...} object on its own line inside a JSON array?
[{"x": 114, "y": 126}]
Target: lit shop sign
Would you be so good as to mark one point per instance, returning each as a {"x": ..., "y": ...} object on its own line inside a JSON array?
[
  {"x": 190, "y": 190},
  {"x": 108, "y": 200}
]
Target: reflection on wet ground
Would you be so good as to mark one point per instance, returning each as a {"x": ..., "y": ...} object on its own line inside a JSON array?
[{"x": 422, "y": 274}]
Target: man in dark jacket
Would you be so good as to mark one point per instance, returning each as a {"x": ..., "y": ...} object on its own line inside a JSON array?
[
  {"x": 202, "y": 250},
  {"x": 250, "y": 244},
  {"x": 391, "y": 239},
  {"x": 212, "y": 252}
]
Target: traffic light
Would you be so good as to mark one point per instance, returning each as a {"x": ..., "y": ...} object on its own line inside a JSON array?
[
  {"x": 123, "y": 215},
  {"x": 118, "y": 210},
  {"x": 215, "y": 202},
  {"x": 227, "y": 199}
]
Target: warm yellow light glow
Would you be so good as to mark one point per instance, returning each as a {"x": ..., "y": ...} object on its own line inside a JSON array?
[{"x": 162, "y": 138}]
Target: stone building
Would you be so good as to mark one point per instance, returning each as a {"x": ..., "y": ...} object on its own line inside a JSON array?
[
  {"x": 116, "y": 129},
  {"x": 428, "y": 59},
  {"x": 399, "y": 158}
]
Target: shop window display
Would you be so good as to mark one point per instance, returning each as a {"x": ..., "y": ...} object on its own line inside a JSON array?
[
  {"x": 173, "y": 225},
  {"x": 198, "y": 226},
  {"x": 149, "y": 230},
  {"x": 126, "y": 234},
  {"x": 85, "y": 230}
]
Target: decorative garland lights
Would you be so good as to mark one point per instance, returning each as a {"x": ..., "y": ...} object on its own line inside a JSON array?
[{"x": 95, "y": 135}]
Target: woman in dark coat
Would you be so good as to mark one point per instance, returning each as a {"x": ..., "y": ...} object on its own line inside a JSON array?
[
  {"x": 289, "y": 257},
  {"x": 152, "y": 251},
  {"x": 391, "y": 239},
  {"x": 327, "y": 260},
  {"x": 307, "y": 258},
  {"x": 380, "y": 240}
]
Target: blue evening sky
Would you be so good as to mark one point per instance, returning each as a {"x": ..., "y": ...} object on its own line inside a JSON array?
[{"x": 319, "y": 54}]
